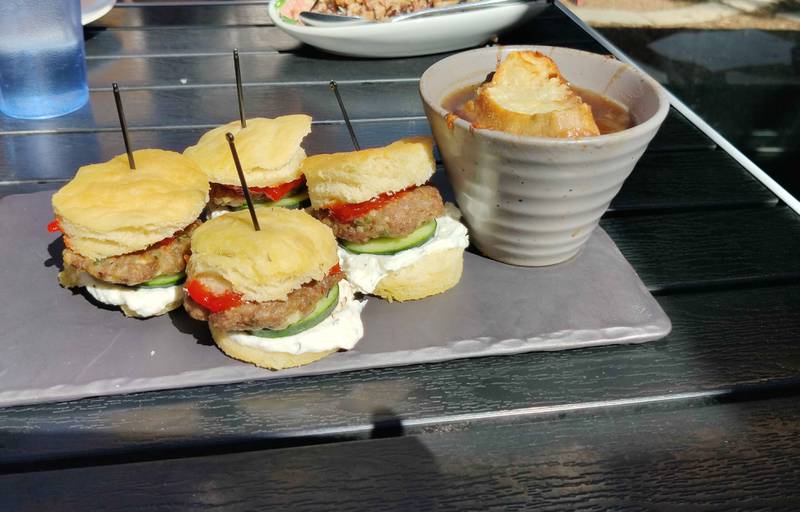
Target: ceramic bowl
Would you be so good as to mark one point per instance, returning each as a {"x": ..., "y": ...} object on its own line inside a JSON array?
[
  {"x": 422, "y": 36},
  {"x": 534, "y": 201}
]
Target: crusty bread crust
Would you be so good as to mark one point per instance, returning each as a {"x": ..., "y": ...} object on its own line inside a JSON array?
[
  {"x": 261, "y": 358},
  {"x": 269, "y": 151},
  {"x": 108, "y": 209},
  {"x": 358, "y": 176},
  {"x": 432, "y": 274},
  {"x": 529, "y": 96},
  {"x": 292, "y": 248}
]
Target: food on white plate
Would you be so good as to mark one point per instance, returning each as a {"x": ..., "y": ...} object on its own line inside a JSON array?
[
  {"x": 276, "y": 297},
  {"x": 271, "y": 158},
  {"x": 377, "y": 10},
  {"x": 127, "y": 231},
  {"x": 397, "y": 242},
  {"x": 527, "y": 95}
]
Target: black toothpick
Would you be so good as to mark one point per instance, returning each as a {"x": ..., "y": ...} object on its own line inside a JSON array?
[
  {"x": 246, "y": 190},
  {"x": 335, "y": 89},
  {"x": 239, "y": 92},
  {"x": 123, "y": 125}
]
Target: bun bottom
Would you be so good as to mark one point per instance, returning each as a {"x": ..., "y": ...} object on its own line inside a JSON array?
[
  {"x": 430, "y": 275},
  {"x": 262, "y": 358}
]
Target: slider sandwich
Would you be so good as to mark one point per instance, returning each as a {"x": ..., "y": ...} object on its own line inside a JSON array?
[
  {"x": 271, "y": 157},
  {"x": 397, "y": 242},
  {"x": 275, "y": 297},
  {"x": 127, "y": 231}
]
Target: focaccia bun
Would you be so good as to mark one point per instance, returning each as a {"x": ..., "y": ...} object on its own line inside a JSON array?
[
  {"x": 109, "y": 209},
  {"x": 358, "y": 176},
  {"x": 434, "y": 273},
  {"x": 262, "y": 358},
  {"x": 291, "y": 249},
  {"x": 529, "y": 96},
  {"x": 269, "y": 151}
]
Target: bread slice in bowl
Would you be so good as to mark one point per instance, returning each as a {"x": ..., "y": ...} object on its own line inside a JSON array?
[{"x": 528, "y": 96}]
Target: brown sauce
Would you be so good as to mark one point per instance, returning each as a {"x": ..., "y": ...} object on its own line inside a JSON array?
[{"x": 609, "y": 115}]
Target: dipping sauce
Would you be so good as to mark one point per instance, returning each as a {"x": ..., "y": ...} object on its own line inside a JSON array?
[{"x": 609, "y": 115}]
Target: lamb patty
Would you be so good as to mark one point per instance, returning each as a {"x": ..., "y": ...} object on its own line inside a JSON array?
[
  {"x": 275, "y": 314},
  {"x": 140, "y": 266},
  {"x": 395, "y": 219},
  {"x": 223, "y": 195}
]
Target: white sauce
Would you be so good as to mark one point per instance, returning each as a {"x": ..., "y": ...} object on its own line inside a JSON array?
[
  {"x": 341, "y": 330},
  {"x": 139, "y": 302},
  {"x": 365, "y": 271}
]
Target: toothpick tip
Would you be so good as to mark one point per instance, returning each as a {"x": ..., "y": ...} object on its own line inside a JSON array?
[
  {"x": 115, "y": 87},
  {"x": 332, "y": 84},
  {"x": 229, "y": 136}
]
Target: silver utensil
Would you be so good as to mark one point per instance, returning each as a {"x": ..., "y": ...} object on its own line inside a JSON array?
[{"x": 316, "y": 19}]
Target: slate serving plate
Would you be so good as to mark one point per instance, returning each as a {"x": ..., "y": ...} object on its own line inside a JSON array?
[{"x": 56, "y": 345}]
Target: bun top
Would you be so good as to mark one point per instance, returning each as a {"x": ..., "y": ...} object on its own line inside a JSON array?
[
  {"x": 529, "y": 96},
  {"x": 291, "y": 249},
  {"x": 109, "y": 209},
  {"x": 358, "y": 176},
  {"x": 269, "y": 151}
]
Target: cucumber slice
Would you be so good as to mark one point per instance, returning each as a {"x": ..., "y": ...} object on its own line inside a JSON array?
[
  {"x": 387, "y": 245},
  {"x": 323, "y": 309},
  {"x": 292, "y": 202},
  {"x": 164, "y": 281}
]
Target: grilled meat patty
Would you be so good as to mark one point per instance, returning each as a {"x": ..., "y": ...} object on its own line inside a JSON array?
[
  {"x": 395, "y": 219},
  {"x": 275, "y": 314},
  {"x": 222, "y": 195},
  {"x": 140, "y": 266}
]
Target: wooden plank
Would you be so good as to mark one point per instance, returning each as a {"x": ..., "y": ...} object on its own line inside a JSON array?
[
  {"x": 58, "y": 156},
  {"x": 257, "y": 68},
  {"x": 678, "y": 134},
  {"x": 720, "y": 456},
  {"x": 551, "y": 30},
  {"x": 721, "y": 341},
  {"x": 181, "y": 41},
  {"x": 230, "y": 14},
  {"x": 690, "y": 179},
  {"x": 692, "y": 249},
  {"x": 206, "y": 107}
]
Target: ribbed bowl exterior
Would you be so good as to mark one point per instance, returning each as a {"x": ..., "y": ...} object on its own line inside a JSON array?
[{"x": 534, "y": 201}]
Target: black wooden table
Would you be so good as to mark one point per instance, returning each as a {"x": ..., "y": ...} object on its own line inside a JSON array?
[{"x": 706, "y": 418}]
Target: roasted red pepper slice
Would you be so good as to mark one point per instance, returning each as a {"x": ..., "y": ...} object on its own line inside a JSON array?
[
  {"x": 54, "y": 226},
  {"x": 274, "y": 193},
  {"x": 349, "y": 212},
  {"x": 214, "y": 302}
]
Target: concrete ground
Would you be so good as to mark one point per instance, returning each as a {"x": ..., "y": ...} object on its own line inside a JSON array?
[{"x": 709, "y": 14}]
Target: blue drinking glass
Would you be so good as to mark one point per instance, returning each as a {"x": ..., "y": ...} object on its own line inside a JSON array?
[{"x": 42, "y": 65}]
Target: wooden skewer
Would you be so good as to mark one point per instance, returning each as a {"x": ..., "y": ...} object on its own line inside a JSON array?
[
  {"x": 246, "y": 190},
  {"x": 239, "y": 92},
  {"x": 123, "y": 125},
  {"x": 335, "y": 88}
]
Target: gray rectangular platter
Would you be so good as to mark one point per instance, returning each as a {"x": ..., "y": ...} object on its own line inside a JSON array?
[{"x": 55, "y": 345}]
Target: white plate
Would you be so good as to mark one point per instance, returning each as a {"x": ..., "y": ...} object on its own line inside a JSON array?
[
  {"x": 94, "y": 9},
  {"x": 422, "y": 36}
]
